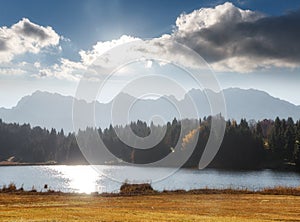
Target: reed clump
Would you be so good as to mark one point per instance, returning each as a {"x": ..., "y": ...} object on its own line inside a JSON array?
[{"x": 134, "y": 189}]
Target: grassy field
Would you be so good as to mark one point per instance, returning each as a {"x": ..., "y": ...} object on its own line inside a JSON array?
[{"x": 156, "y": 207}]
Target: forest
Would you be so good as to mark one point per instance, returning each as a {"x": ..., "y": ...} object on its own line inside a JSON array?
[{"x": 273, "y": 144}]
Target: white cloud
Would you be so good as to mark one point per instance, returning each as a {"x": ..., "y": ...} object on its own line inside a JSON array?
[
  {"x": 65, "y": 39},
  {"x": 66, "y": 69},
  {"x": 27, "y": 37},
  {"x": 23, "y": 37},
  {"x": 22, "y": 63},
  {"x": 37, "y": 65},
  {"x": 207, "y": 17},
  {"x": 12, "y": 71},
  {"x": 88, "y": 57}
]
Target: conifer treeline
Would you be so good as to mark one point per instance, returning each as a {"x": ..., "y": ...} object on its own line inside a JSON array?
[{"x": 246, "y": 145}]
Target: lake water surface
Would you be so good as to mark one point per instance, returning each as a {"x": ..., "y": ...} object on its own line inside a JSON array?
[{"x": 84, "y": 179}]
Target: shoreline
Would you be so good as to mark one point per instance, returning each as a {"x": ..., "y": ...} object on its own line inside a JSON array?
[
  {"x": 137, "y": 190},
  {"x": 7, "y": 163},
  {"x": 277, "y": 169}
]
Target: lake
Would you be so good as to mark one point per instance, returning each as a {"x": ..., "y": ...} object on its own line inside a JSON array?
[{"x": 84, "y": 179}]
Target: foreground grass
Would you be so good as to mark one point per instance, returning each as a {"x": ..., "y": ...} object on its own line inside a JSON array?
[{"x": 157, "y": 207}]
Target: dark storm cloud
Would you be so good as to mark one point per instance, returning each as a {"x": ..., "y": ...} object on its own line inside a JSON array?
[{"x": 268, "y": 38}]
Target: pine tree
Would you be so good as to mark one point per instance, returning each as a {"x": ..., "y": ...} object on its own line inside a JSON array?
[
  {"x": 297, "y": 144},
  {"x": 276, "y": 141},
  {"x": 289, "y": 140}
]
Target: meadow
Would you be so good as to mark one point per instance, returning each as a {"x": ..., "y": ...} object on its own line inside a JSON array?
[{"x": 202, "y": 205}]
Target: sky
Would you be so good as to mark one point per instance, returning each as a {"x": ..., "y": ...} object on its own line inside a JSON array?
[{"x": 48, "y": 45}]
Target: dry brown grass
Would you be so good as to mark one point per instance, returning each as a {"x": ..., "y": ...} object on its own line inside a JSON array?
[
  {"x": 25, "y": 207},
  {"x": 282, "y": 191}
]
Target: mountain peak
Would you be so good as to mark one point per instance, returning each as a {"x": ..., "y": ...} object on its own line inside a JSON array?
[{"x": 52, "y": 110}]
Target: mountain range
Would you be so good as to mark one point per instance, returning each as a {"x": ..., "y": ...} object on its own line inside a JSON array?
[{"x": 52, "y": 110}]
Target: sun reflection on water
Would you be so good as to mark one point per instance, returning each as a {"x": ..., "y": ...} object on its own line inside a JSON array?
[{"x": 81, "y": 179}]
